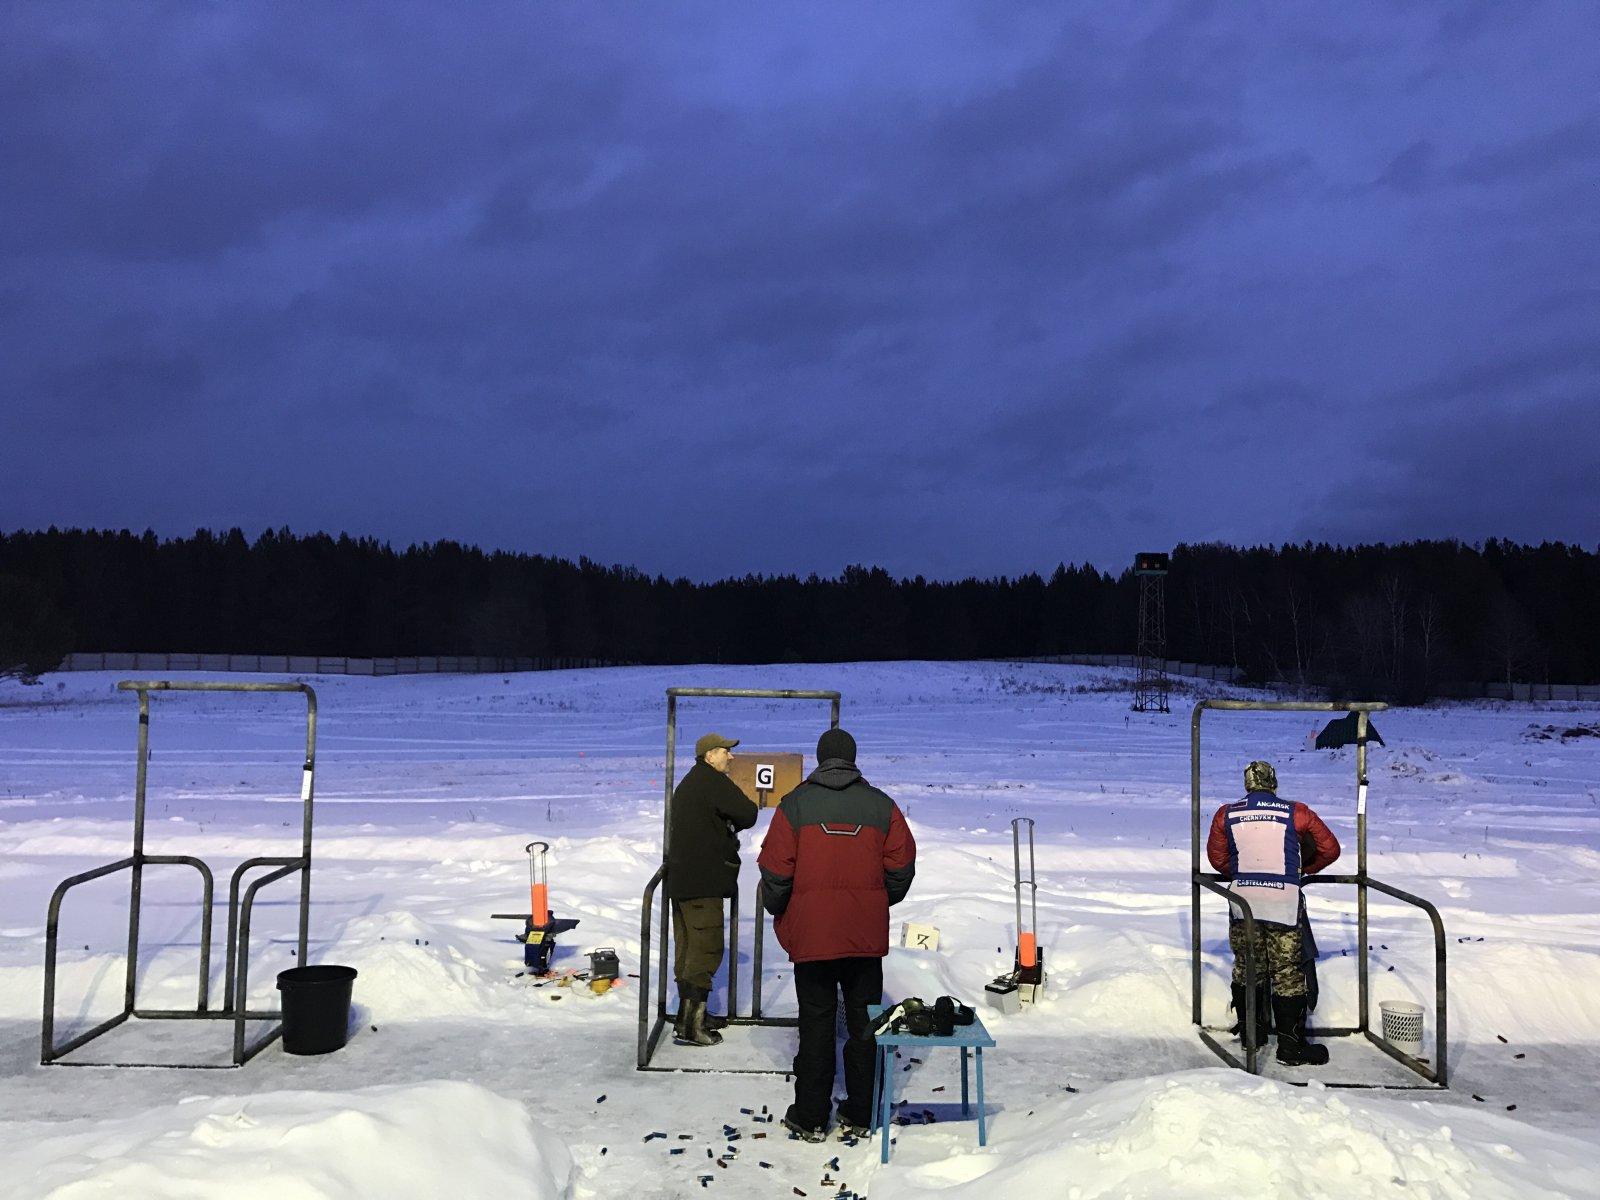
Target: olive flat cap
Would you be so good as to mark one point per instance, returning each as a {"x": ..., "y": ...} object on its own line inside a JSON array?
[{"x": 713, "y": 741}]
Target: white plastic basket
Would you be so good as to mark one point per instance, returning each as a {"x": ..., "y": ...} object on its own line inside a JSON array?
[{"x": 1402, "y": 1025}]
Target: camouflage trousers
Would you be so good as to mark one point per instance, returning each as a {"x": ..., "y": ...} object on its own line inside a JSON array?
[{"x": 1276, "y": 954}]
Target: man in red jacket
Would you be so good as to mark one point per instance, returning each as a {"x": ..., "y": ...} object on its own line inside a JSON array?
[
  {"x": 837, "y": 854},
  {"x": 1266, "y": 846}
]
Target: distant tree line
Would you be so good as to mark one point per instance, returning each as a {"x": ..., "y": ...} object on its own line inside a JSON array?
[{"x": 1394, "y": 620}]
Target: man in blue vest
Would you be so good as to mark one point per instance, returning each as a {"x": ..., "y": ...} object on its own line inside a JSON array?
[{"x": 1266, "y": 846}]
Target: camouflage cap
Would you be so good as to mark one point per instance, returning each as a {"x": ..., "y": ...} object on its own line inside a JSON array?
[{"x": 1260, "y": 777}]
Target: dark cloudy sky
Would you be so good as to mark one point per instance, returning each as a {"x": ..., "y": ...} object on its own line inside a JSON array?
[{"x": 716, "y": 288}]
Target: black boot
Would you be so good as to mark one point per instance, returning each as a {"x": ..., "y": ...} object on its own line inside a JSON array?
[
  {"x": 849, "y": 1124},
  {"x": 1263, "y": 1015},
  {"x": 1289, "y": 1014},
  {"x": 806, "y": 1133}
]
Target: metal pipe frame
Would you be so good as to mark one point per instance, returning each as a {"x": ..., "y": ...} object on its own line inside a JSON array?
[
  {"x": 1436, "y": 1076},
  {"x": 237, "y": 967},
  {"x": 235, "y": 881},
  {"x": 1251, "y": 1050},
  {"x": 241, "y": 989},
  {"x": 650, "y": 1030}
]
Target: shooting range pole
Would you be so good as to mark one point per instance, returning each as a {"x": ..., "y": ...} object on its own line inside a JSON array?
[
  {"x": 1194, "y": 859},
  {"x": 1361, "y": 864},
  {"x": 666, "y": 840}
]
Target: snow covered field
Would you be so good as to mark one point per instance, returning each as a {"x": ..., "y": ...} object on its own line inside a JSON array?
[{"x": 463, "y": 1079}]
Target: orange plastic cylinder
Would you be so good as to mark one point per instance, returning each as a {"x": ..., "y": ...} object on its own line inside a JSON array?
[
  {"x": 541, "y": 903},
  {"x": 1027, "y": 950}
]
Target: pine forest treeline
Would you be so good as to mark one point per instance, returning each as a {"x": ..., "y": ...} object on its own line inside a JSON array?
[{"x": 1397, "y": 620}]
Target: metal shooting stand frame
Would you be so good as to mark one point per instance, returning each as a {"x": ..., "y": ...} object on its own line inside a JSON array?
[
  {"x": 236, "y": 974},
  {"x": 650, "y": 1030},
  {"x": 1436, "y": 1076}
]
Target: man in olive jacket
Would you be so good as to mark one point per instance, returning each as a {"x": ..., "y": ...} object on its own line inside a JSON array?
[{"x": 708, "y": 811}]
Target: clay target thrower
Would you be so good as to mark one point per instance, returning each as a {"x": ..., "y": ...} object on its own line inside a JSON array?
[{"x": 540, "y": 926}]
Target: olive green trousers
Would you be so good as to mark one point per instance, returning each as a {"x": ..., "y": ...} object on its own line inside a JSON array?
[{"x": 697, "y": 944}]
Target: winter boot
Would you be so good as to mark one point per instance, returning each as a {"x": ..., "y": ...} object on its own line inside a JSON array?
[
  {"x": 1289, "y": 1014},
  {"x": 699, "y": 1035},
  {"x": 680, "y": 1025},
  {"x": 702, "y": 1024},
  {"x": 1263, "y": 1015},
  {"x": 849, "y": 1127},
  {"x": 691, "y": 1029},
  {"x": 804, "y": 1132}
]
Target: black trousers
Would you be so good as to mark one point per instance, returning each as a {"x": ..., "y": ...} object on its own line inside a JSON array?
[{"x": 818, "y": 986}]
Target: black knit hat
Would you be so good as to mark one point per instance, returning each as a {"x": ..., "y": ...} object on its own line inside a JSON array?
[{"x": 836, "y": 743}]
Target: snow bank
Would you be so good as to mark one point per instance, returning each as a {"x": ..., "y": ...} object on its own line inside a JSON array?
[
  {"x": 423, "y": 1141},
  {"x": 1530, "y": 993},
  {"x": 1221, "y": 1133},
  {"x": 411, "y": 970}
]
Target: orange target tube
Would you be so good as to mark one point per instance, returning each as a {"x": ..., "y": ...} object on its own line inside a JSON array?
[
  {"x": 1027, "y": 950},
  {"x": 540, "y": 900}
]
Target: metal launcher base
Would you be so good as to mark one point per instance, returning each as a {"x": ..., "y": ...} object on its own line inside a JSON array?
[
  {"x": 538, "y": 941},
  {"x": 1350, "y": 1054},
  {"x": 1021, "y": 985}
]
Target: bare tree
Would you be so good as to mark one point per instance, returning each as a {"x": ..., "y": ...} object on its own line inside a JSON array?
[
  {"x": 1511, "y": 642},
  {"x": 1396, "y": 599},
  {"x": 1430, "y": 628},
  {"x": 1306, "y": 637}
]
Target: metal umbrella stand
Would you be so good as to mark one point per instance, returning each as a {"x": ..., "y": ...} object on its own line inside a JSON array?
[
  {"x": 1434, "y": 1075},
  {"x": 653, "y": 1022},
  {"x": 236, "y": 974}
]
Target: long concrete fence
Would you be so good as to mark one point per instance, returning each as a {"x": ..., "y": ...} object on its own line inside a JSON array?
[
  {"x": 1186, "y": 669},
  {"x": 467, "y": 664},
  {"x": 315, "y": 664},
  {"x": 1539, "y": 692},
  {"x": 1518, "y": 691}
]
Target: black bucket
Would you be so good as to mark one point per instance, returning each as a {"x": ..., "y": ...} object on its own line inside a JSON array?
[{"x": 316, "y": 1008}]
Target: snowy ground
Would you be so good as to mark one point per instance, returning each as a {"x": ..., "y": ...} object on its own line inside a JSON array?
[{"x": 427, "y": 788}]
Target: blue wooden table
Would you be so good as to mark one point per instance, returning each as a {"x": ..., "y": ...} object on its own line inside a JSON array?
[{"x": 974, "y": 1038}]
